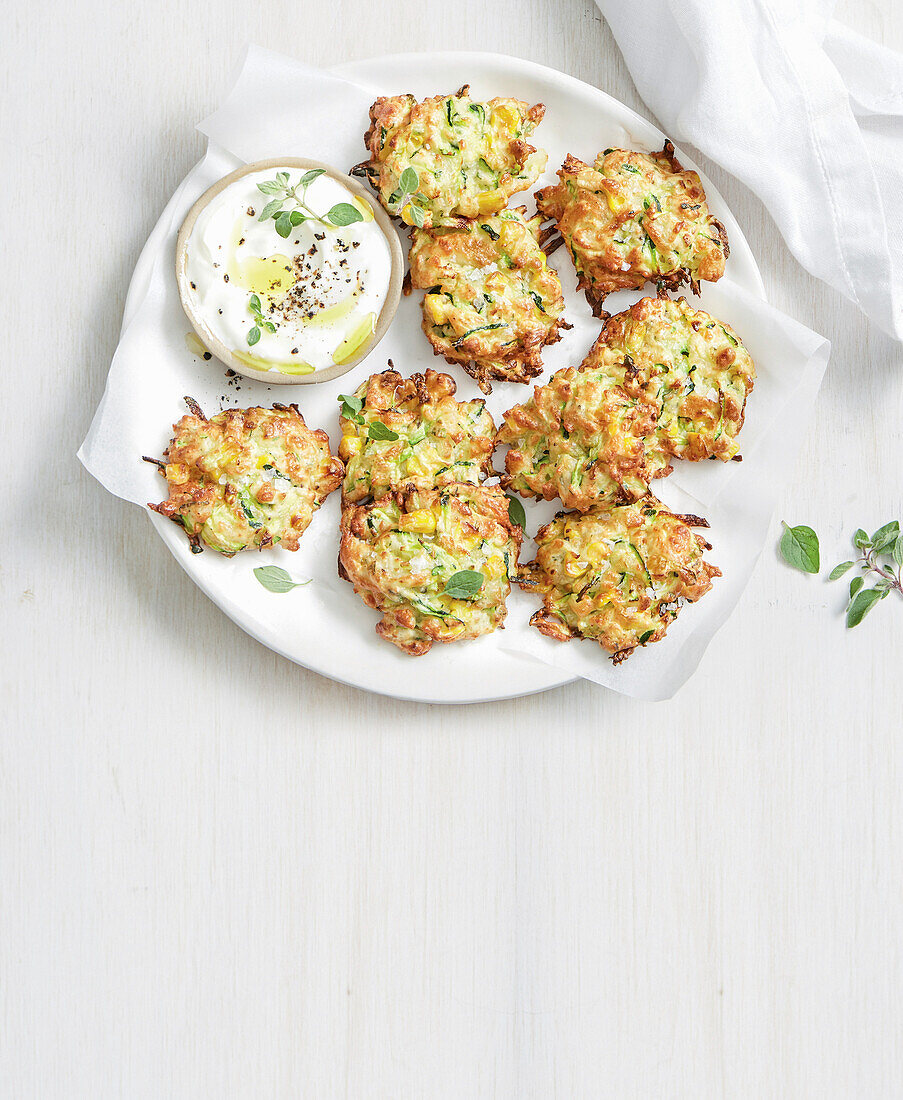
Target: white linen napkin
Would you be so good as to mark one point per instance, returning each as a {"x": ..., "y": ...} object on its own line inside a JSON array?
[{"x": 808, "y": 114}]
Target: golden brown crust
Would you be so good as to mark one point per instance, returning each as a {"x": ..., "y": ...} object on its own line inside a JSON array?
[
  {"x": 492, "y": 301},
  {"x": 692, "y": 366},
  {"x": 617, "y": 576},
  {"x": 400, "y": 553},
  {"x": 247, "y": 478},
  {"x": 634, "y": 218}
]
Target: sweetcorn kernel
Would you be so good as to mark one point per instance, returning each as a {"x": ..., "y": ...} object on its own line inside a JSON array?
[
  {"x": 176, "y": 473},
  {"x": 495, "y": 566},
  {"x": 490, "y": 202},
  {"x": 616, "y": 202},
  {"x": 406, "y": 215},
  {"x": 506, "y": 115},
  {"x": 351, "y": 444},
  {"x": 422, "y": 521},
  {"x": 576, "y": 568}
]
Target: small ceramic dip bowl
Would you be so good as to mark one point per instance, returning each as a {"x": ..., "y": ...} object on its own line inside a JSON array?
[{"x": 289, "y": 271}]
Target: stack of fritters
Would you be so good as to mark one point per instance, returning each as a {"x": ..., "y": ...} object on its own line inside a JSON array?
[
  {"x": 246, "y": 478},
  {"x": 617, "y": 575},
  {"x": 435, "y": 550},
  {"x": 634, "y": 218},
  {"x": 447, "y": 167},
  {"x": 662, "y": 380}
]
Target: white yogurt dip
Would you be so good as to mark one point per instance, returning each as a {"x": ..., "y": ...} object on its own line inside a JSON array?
[{"x": 292, "y": 293}]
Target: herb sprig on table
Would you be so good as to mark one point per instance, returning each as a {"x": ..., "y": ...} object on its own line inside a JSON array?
[
  {"x": 880, "y": 563},
  {"x": 289, "y": 208}
]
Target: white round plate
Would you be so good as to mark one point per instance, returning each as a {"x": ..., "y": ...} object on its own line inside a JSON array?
[{"x": 324, "y": 626}]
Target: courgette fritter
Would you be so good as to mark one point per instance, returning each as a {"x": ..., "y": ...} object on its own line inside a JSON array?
[
  {"x": 438, "y": 563},
  {"x": 437, "y": 440},
  {"x": 492, "y": 302},
  {"x": 582, "y": 438},
  {"x": 246, "y": 478},
  {"x": 634, "y": 218},
  {"x": 663, "y": 380},
  {"x": 693, "y": 367},
  {"x": 617, "y": 576},
  {"x": 468, "y": 157}
]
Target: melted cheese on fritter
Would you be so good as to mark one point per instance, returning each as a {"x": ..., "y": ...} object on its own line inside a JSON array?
[
  {"x": 440, "y": 440},
  {"x": 617, "y": 576},
  {"x": 634, "y": 218},
  {"x": 401, "y": 551},
  {"x": 469, "y": 157},
  {"x": 247, "y": 478},
  {"x": 492, "y": 300}
]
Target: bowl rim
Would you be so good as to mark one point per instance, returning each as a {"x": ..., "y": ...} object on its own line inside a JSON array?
[{"x": 214, "y": 345}]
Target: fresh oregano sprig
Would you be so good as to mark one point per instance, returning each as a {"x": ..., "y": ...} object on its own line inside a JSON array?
[
  {"x": 881, "y": 561},
  {"x": 405, "y": 193},
  {"x": 351, "y": 410},
  {"x": 289, "y": 207},
  {"x": 256, "y": 310},
  {"x": 351, "y": 407}
]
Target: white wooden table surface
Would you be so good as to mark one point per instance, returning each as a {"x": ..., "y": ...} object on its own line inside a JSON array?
[{"x": 223, "y": 876}]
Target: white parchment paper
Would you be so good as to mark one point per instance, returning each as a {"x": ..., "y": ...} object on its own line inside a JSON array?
[{"x": 279, "y": 106}]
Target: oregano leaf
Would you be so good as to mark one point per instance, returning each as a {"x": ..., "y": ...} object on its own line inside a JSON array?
[
  {"x": 839, "y": 570},
  {"x": 378, "y": 430},
  {"x": 269, "y": 210},
  {"x": 351, "y": 404},
  {"x": 343, "y": 213},
  {"x": 308, "y": 178},
  {"x": 516, "y": 512},
  {"x": 409, "y": 180},
  {"x": 275, "y": 579},
  {"x": 799, "y": 546},
  {"x": 862, "y": 605},
  {"x": 885, "y": 535},
  {"x": 464, "y": 585}
]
